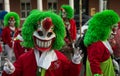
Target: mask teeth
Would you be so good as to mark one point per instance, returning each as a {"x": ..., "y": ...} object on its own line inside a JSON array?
[{"x": 43, "y": 44}]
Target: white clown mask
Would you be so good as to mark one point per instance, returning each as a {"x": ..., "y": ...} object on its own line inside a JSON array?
[
  {"x": 12, "y": 21},
  {"x": 44, "y": 36},
  {"x": 63, "y": 13},
  {"x": 114, "y": 31}
]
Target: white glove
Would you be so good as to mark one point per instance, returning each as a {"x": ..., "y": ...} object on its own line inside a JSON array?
[
  {"x": 8, "y": 67},
  {"x": 116, "y": 65},
  {"x": 77, "y": 57}
]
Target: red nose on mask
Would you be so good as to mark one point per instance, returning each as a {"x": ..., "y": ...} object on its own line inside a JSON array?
[
  {"x": 11, "y": 18},
  {"x": 47, "y": 23}
]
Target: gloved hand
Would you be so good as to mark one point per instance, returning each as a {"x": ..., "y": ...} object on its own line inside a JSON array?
[
  {"x": 97, "y": 75},
  {"x": 77, "y": 57},
  {"x": 116, "y": 65},
  {"x": 8, "y": 67}
]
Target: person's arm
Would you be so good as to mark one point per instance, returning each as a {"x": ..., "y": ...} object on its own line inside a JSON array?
[
  {"x": 73, "y": 67},
  {"x": 6, "y": 36},
  {"x": 73, "y": 30},
  {"x": 96, "y": 56}
]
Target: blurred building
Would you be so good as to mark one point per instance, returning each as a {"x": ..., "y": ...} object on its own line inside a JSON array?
[
  {"x": 23, "y": 7},
  {"x": 100, "y": 5},
  {"x": 89, "y": 7}
]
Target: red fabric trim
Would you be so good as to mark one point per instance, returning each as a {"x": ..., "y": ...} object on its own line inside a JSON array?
[
  {"x": 0, "y": 48},
  {"x": 97, "y": 53},
  {"x": 6, "y": 36},
  {"x": 73, "y": 30}
]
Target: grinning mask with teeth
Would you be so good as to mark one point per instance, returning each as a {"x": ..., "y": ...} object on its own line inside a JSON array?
[
  {"x": 44, "y": 35},
  {"x": 12, "y": 21}
]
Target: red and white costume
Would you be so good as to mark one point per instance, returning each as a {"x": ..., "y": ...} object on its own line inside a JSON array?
[
  {"x": 58, "y": 67},
  {"x": 44, "y": 60},
  {"x": 7, "y": 38},
  {"x": 18, "y": 48},
  {"x": 98, "y": 57},
  {"x": 72, "y": 30}
]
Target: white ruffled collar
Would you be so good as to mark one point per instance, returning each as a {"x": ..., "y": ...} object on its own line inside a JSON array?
[
  {"x": 12, "y": 28},
  {"x": 44, "y": 61},
  {"x": 108, "y": 46}
]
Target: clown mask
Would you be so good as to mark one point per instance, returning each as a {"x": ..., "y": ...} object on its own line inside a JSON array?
[
  {"x": 114, "y": 31},
  {"x": 12, "y": 21},
  {"x": 63, "y": 13},
  {"x": 44, "y": 35}
]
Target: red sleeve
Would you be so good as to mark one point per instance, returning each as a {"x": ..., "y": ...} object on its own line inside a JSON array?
[
  {"x": 0, "y": 48},
  {"x": 70, "y": 69},
  {"x": 73, "y": 30},
  {"x": 5, "y": 74},
  {"x": 97, "y": 53},
  {"x": 6, "y": 38},
  {"x": 17, "y": 31},
  {"x": 17, "y": 72},
  {"x": 18, "y": 49}
]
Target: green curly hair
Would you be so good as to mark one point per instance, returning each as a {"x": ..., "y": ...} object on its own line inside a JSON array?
[
  {"x": 12, "y": 14},
  {"x": 30, "y": 25},
  {"x": 100, "y": 26},
  {"x": 69, "y": 11},
  {"x": 35, "y": 11}
]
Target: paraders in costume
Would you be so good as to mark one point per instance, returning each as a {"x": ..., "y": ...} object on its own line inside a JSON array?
[
  {"x": 11, "y": 24},
  {"x": 45, "y": 32},
  {"x": 116, "y": 43},
  {"x": 99, "y": 61},
  {"x": 18, "y": 48},
  {"x": 67, "y": 14}
]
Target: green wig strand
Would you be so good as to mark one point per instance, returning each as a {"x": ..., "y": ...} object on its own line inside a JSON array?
[
  {"x": 69, "y": 11},
  {"x": 100, "y": 26},
  {"x": 34, "y": 11},
  {"x": 30, "y": 25},
  {"x": 7, "y": 17}
]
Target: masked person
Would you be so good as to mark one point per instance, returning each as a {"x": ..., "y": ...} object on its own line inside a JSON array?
[
  {"x": 11, "y": 24},
  {"x": 115, "y": 43},
  {"x": 44, "y": 32},
  {"x": 67, "y": 14},
  {"x": 99, "y": 51},
  {"x": 18, "y": 48}
]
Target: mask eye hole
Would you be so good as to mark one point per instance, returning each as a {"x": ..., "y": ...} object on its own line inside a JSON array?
[
  {"x": 11, "y": 21},
  {"x": 63, "y": 13},
  {"x": 40, "y": 33},
  {"x": 49, "y": 34}
]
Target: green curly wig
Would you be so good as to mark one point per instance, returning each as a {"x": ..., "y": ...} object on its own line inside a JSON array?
[
  {"x": 100, "y": 26},
  {"x": 35, "y": 11},
  {"x": 69, "y": 10},
  {"x": 10, "y": 14},
  {"x": 30, "y": 25}
]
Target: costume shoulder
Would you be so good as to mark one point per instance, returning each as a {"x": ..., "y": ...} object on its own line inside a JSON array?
[
  {"x": 72, "y": 20},
  {"x": 6, "y": 28},
  {"x": 27, "y": 55},
  {"x": 60, "y": 55},
  {"x": 97, "y": 43}
]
